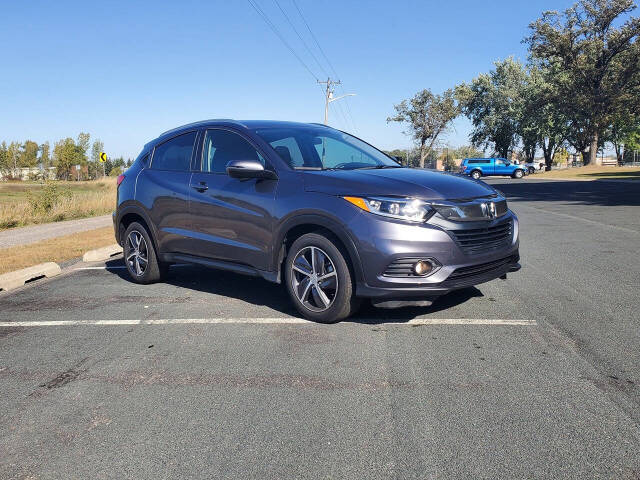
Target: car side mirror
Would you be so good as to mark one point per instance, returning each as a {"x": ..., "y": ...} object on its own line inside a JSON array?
[{"x": 249, "y": 169}]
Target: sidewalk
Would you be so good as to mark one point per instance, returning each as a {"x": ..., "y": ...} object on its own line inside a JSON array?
[{"x": 26, "y": 235}]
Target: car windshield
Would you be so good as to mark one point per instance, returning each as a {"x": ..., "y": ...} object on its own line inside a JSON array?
[{"x": 322, "y": 148}]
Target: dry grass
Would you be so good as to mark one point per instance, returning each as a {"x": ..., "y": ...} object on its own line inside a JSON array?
[
  {"x": 594, "y": 173},
  {"x": 78, "y": 200},
  {"x": 58, "y": 249}
]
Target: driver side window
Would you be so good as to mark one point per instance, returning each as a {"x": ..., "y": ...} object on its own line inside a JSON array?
[{"x": 223, "y": 146}]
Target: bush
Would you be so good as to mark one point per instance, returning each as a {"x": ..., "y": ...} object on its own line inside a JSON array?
[
  {"x": 44, "y": 199},
  {"x": 115, "y": 171}
]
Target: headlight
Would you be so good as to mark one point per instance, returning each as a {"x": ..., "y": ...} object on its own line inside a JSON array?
[{"x": 409, "y": 209}]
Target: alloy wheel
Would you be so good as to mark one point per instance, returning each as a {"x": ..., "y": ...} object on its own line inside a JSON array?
[
  {"x": 137, "y": 253},
  {"x": 314, "y": 279}
]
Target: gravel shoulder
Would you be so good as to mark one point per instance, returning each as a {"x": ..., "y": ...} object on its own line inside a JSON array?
[{"x": 26, "y": 235}]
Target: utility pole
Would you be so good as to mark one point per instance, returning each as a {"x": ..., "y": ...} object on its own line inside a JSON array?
[{"x": 328, "y": 97}]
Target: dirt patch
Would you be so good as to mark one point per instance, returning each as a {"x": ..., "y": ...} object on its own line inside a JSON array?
[
  {"x": 131, "y": 379},
  {"x": 90, "y": 303},
  {"x": 8, "y": 331},
  {"x": 62, "y": 379}
]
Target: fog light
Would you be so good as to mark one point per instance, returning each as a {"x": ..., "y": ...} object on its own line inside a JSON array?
[{"x": 422, "y": 267}]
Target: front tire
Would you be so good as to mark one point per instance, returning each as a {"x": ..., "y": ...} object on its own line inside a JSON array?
[
  {"x": 518, "y": 174},
  {"x": 140, "y": 256},
  {"x": 476, "y": 174},
  {"x": 318, "y": 280},
  {"x": 532, "y": 170}
]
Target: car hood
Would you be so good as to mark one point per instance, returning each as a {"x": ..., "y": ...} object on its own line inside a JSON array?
[{"x": 407, "y": 182}]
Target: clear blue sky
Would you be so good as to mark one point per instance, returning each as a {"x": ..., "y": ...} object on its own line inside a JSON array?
[{"x": 126, "y": 71}]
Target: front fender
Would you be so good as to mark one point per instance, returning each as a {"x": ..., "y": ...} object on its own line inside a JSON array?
[{"x": 324, "y": 220}]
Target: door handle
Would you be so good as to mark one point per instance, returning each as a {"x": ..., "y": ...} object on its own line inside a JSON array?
[{"x": 201, "y": 187}]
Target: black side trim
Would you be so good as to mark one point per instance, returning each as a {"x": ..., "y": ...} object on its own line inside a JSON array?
[
  {"x": 324, "y": 221},
  {"x": 207, "y": 262}
]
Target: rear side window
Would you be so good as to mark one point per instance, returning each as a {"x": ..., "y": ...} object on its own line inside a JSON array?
[
  {"x": 174, "y": 154},
  {"x": 222, "y": 147}
]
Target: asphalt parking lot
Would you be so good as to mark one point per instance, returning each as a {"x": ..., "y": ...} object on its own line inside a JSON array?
[{"x": 210, "y": 375}]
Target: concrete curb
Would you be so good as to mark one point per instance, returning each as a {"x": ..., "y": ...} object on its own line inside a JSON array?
[
  {"x": 104, "y": 253},
  {"x": 11, "y": 280}
]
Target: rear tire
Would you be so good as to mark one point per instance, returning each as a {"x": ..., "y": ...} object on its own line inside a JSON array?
[
  {"x": 476, "y": 174},
  {"x": 532, "y": 170},
  {"x": 319, "y": 281},
  {"x": 140, "y": 256}
]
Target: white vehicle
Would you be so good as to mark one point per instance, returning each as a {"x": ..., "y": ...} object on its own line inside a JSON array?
[{"x": 535, "y": 166}]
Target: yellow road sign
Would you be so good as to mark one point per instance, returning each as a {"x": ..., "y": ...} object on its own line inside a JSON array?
[{"x": 103, "y": 157}]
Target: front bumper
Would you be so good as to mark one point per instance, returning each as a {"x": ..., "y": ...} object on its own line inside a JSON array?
[{"x": 389, "y": 241}]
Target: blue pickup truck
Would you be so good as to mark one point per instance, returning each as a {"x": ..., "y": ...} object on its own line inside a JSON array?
[{"x": 480, "y": 167}]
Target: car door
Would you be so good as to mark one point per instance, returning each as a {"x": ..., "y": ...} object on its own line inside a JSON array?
[
  {"x": 231, "y": 218},
  {"x": 163, "y": 189},
  {"x": 502, "y": 167},
  {"x": 486, "y": 166}
]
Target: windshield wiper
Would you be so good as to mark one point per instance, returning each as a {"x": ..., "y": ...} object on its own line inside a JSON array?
[{"x": 377, "y": 167}]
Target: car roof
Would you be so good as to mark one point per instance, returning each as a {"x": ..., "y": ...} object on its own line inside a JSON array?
[
  {"x": 249, "y": 124},
  {"x": 220, "y": 122}
]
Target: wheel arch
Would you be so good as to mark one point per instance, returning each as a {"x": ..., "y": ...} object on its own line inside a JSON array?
[
  {"x": 315, "y": 223},
  {"x": 133, "y": 213}
]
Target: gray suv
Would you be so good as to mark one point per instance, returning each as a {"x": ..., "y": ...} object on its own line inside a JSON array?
[{"x": 323, "y": 212}]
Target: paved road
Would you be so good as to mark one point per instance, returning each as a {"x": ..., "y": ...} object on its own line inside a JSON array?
[
  {"x": 36, "y": 233},
  {"x": 533, "y": 377}
]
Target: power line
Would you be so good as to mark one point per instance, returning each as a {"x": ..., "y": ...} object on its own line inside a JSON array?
[
  {"x": 277, "y": 32},
  {"x": 300, "y": 37},
  {"x": 344, "y": 121},
  {"x": 325, "y": 57},
  {"x": 315, "y": 39}
]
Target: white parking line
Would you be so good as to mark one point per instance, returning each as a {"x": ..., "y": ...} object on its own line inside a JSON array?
[{"x": 282, "y": 320}]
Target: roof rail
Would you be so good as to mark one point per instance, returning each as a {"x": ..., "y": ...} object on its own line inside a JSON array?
[{"x": 193, "y": 124}]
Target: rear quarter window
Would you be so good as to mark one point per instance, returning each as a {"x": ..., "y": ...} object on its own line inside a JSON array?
[{"x": 175, "y": 153}]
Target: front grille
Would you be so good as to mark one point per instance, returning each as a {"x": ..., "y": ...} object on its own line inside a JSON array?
[
  {"x": 481, "y": 269},
  {"x": 483, "y": 239},
  {"x": 403, "y": 267}
]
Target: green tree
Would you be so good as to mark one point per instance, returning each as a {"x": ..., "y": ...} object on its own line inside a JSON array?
[
  {"x": 593, "y": 54},
  {"x": 28, "y": 154},
  {"x": 96, "y": 149},
  {"x": 398, "y": 154},
  {"x": 631, "y": 140},
  {"x": 65, "y": 156},
  {"x": 543, "y": 123},
  {"x": 466, "y": 151},
  {"x": 82, "y": 145},
  {"x": 13, "y": 157},
  {"x": 427, "y": 116},
  {"x": 45, "y": 155},
  {"x": 4, "y": 158},
  {"x": 494, "y": 103},
  {"x": 446, "y": 156}
]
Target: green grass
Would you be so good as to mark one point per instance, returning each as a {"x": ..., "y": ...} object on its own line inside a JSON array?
[
  {"x": 595, "y": 173},
  {"x": 78, "y": 200}
]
